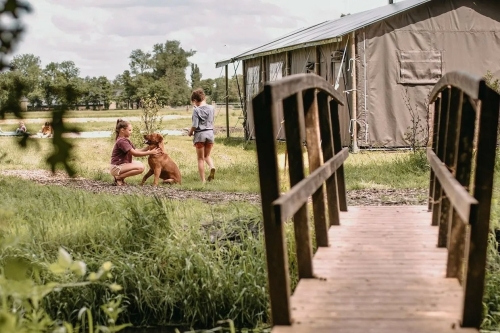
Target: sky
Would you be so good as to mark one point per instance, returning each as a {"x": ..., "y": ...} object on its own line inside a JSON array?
[{"x": 99, "y": 35}]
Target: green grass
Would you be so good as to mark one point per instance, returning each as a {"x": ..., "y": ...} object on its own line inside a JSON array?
[
  {"x": 180, "y": 263},
  {"x": 117, "y": 113}
]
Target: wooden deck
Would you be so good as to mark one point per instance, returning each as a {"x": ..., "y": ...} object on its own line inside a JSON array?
[{"x": 381, "y": 273}]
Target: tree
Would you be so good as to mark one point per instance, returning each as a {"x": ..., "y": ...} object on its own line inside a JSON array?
[
  {"x": 195, "y": 76},
  {"x": 29, "y": 67},
  {"x": 169, "y": 62},
  {"x": 140, "y": 62}
]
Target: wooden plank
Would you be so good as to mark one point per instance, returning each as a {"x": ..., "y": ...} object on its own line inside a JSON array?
[
  {"x": 389, "y": 276},
  {"x": 290, "y": 202},
  {"x": 291, "y": 108},
  {"x": 276, "y": 253},
  {"x": 325, "y": 127},
  {"x": 337, "y": 147},
  {"x": 480, "y": 218},
  {"x": 407, "y": 325},
  {"x": 459, "y": 197},
  {"x": 463, "y": 167}
]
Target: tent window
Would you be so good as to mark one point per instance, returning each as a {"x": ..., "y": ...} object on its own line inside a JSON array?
[
  {"x": 275, "y": 71},
  {"x": 252, "y": 82},
  {"x": 420, "y": 67}
]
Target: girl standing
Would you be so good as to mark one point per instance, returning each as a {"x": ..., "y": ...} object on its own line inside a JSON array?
[{"x": 203, "y": 131}]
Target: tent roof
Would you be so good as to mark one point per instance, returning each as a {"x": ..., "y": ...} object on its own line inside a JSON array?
[{"x": 326, "y": 32}]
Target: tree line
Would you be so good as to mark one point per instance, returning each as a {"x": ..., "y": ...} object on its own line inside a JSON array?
[{"x": 160, "y": 72}]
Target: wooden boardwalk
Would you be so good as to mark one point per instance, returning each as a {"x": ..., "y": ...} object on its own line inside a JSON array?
[{"x": 381, "y": 273}]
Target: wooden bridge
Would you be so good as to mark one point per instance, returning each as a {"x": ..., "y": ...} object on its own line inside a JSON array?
[{"x": 377, "y": 269}]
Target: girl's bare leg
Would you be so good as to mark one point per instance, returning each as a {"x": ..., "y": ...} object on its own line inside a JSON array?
[
  {"x": 200, "y": 154},
  {"x": 128, "y": 170}
]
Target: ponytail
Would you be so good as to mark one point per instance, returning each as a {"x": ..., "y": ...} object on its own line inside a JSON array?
[{"x": 120, "y": 123}]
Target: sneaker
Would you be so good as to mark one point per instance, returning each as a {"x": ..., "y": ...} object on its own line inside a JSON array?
[{"x": 212, "y": 175}]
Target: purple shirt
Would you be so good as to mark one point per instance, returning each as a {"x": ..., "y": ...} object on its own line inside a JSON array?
[{"x": 121, "y": 151}]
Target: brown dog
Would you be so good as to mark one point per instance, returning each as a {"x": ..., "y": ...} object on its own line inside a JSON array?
[{"x": 162, "y": 166}]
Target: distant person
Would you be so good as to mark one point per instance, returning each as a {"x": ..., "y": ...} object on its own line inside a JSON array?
[
  {"x": 21, "y": 129},
  {"x": 46, "y": 130},
  {"x": 203, "y": 130},
  {"x": 122, "y": 165}
]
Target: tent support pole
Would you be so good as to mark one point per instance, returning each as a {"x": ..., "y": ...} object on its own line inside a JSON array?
[
  {"x": 227, "y": 102},
  {"x": 355, "y": 148}
]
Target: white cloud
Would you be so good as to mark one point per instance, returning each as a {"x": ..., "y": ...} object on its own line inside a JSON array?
[{"x": 98, "y": 35}]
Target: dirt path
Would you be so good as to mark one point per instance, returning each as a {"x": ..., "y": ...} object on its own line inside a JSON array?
[{"x": 367, "y": 197}]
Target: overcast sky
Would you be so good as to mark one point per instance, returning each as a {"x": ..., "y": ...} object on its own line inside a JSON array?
[{"x": 98, "y": 35}]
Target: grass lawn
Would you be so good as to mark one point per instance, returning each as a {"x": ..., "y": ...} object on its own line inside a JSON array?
[{"x": 180, "y": 262}]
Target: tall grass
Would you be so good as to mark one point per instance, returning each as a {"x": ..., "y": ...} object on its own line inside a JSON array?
[{"x": 180, "y": 263}]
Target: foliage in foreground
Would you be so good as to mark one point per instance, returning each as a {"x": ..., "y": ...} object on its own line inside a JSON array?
[
  {"x": 22, "y": 293},
  {"x": 180, "y": 263}
]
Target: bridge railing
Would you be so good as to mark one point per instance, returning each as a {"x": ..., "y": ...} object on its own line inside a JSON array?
[
  {"x": 462, "y": 160},
  {"x": 310, "y": 101}
]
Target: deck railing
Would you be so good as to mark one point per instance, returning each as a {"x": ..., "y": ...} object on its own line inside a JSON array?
[
  {"x": 308, "y": 100},
  {"x": 462, "y": 160}
]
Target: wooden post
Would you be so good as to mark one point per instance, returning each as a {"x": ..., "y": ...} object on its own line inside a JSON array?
[
  {"x": 354, "y": 119},
  {"x": 245, "y": 97},
  {"x": 443, "y": 119},
  {"x": 435, "y": 138},
  {"x": 337, "y": 147},
  {"x": 292, "y": 107},
  {"x": 325, "y": 126},
  {"x": 315, "y": 161},
  {"x": 227, "y": 103},
  {"x": 454, "y": 115},
  {"x": 463, "y": 166},
  {"x": 276, "y": 253},
  {"x": 483, "y": 187}
]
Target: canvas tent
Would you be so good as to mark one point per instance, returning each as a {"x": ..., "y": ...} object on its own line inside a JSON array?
[{"x": 393, "y": 55}]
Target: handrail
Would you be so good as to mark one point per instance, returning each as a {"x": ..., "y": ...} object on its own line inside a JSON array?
[
  {"x": 309, "y": 101},
  {"x": 466, "y": 115},
  {"x": 289, "y": 203},
  {"x": 468, "y": 83},
  {"x": 461, "y": 200},
  {"x": 297, "y": 83}
]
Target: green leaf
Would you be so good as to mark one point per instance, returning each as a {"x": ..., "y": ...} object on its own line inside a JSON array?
[
  {"x": 56, "y": 268},
  {"x": 16, "y": 269},
  {"x": 115, "y": 287},
  {"x": 64, "y": 258},
  {"x": 79, "y": 268},
  {"x": 107, "y": 266}
]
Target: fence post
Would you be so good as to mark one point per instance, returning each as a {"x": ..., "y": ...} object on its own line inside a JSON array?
[
  {"x": 315, "y": 160},
  {"x": 443, "y": 124},
  {"x": 483, "y": 187},
  {"x": 337, "y": 147},
  {"x": 435, "y": 138},
  {"x": 276, "y": 252},
  {"x": 291, "y": 109},
  {"x": 463, "y": 166},
  {"x": 454, "y": 114},
  {"x": 328, "y": 153}
]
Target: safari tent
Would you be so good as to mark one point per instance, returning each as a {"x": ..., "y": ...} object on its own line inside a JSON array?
[{"x": 385, "y": 60}]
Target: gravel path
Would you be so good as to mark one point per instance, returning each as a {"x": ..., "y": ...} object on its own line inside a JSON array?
[{"x": 366, "y": 197}]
